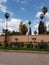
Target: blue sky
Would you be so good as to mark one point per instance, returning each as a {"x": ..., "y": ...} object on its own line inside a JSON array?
[{"x": 22, "y": 10}]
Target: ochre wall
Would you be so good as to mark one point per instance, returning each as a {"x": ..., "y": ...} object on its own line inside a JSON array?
[{"x": 22, "y": 38}]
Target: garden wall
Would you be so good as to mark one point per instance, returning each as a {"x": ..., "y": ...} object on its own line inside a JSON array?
[{"x": 22, "y": 38}]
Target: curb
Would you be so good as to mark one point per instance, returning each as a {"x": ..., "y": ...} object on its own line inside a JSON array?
[{"x": 22, "y": 51}]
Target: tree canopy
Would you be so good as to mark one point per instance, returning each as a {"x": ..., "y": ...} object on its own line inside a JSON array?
[
  {"x": 42, "y": 28},
  {"x": 23, "y": 28}
]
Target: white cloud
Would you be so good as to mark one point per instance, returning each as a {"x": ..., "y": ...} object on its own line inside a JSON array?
[
  {"x": 47, "y": 15},
  {"x": 36, "y": 26},
  {"x": 1, "y": 25},
  {"x": 3, "y": 8},
  {"x": 47, "y": 25},
  {"x": 1, "y": 20},
  {"x": 26, "y": 22},
  {"x": 1, "y": 1},
  {"x": 13, "y": 24},
  {"x": 38, "y": 14}
]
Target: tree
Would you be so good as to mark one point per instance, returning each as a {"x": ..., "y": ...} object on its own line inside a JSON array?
[
  {"x": 6, "y": 30},
  {"x": 29, "y": 31},
  {"x": 42, "y": 28},
  {"x": 35, "y": 32},
  {"x": 15, "y": 33},
  {"x": 23, "y": 28},
  {"x": 47, "y": 32},
  {"x": 44, "y": 10},
  {"x": 6, "y": 37},
  {"x": 10, "y": 33},
  {"x": 29, "y": 22}
]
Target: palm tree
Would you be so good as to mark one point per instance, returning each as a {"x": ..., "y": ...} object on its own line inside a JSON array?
[
  {"x": 44, "y": 10},
  {"x": 6, "y": 16},
  {"x": 42, "y": 26},
  {"x": 29, "y": 22}
]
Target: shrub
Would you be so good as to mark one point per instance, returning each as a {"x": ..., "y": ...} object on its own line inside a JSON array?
[
  {"x": 36, "y": 46},
  {"x": 42, "y": 45},
  {"x": 18, "y": 44},
  {"x": 29, "y": 45},
  {"x": 0, "y": 44},
  {"x": 22, "y": 44},
  {"x": 10, "y": 44},
  {"x": 25, "y": 45},
  {"x": 15, "y": 43},
  {"x": 6, "y": 44}
]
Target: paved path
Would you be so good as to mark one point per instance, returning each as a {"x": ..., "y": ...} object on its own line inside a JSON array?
[{"x": 15, "y": 58}]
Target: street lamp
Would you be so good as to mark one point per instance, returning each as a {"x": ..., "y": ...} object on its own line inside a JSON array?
[
  {"x": 6, "y": 16},
  {"x": 29, "y": 22},
  {"x": 29, "y": 32}
]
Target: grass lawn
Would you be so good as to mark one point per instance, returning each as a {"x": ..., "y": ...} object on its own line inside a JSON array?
[{"x": 20, "y": 48}]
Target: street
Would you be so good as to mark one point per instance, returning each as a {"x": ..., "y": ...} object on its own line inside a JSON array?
[{"x": 16, "y": 58}]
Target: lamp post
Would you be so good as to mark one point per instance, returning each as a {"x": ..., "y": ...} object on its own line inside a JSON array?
[
  {"x": 29, "y": 33},
  {"x": 34, "y": 39},
  {"x": 29, "y": 22},
  {"x": 6, "y": 16}
]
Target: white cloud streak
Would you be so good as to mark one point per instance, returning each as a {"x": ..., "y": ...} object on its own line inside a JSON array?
[
  {"x": 3, "y": 8},
  {"x": 1, "y": 1},
  {"x": 23, "y": 2}
]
